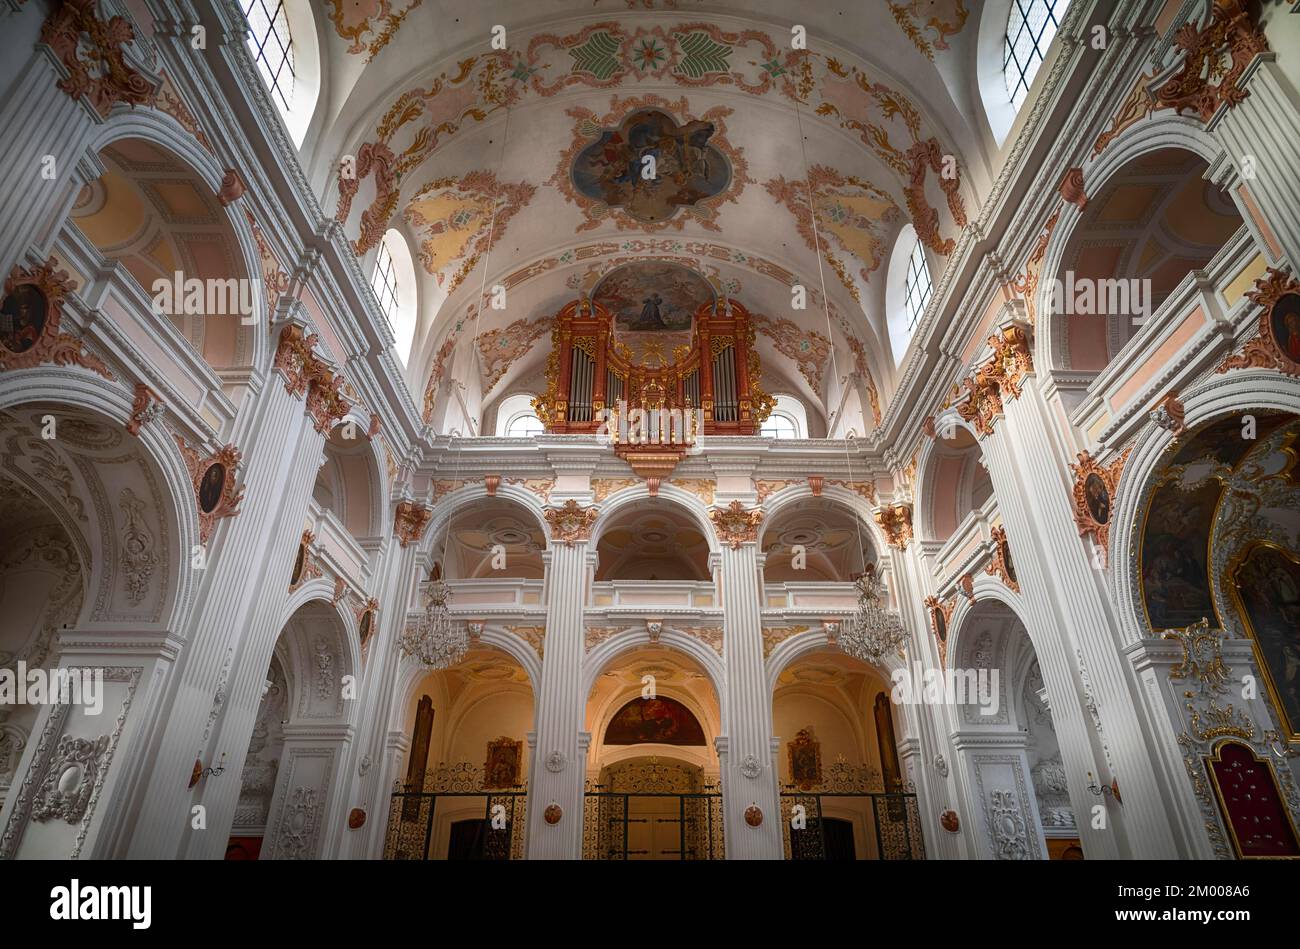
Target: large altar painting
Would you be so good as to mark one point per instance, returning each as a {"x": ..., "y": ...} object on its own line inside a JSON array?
[
  {"x": 1265, "y": 587},
  {"x": 616, "y": 169},
  {"x": 1175, "y": 547},
  {"x": 659, "y": 720}
]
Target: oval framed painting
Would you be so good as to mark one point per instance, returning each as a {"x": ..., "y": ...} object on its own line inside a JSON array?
[
  {"x": 212, "y": 486},
  {"x": 23, "y": 315},
  {"x": 1097, "y": 496}
]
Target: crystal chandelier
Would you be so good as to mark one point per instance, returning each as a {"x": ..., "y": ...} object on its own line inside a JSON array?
[
  {"x": 873, "y": 630},
  {"x": 437, "y": 640}
]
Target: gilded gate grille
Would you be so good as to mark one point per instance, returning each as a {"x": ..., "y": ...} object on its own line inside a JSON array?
[{"x": 414, "y": 809}]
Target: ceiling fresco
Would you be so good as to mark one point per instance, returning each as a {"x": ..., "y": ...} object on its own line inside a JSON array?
[
  {"x": 519, "y": 166},
  {"x": 651, "y": 166}
]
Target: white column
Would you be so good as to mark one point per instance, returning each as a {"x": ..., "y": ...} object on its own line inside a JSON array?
[
  {"x": 926, "y": 724},
  {"x": 746, "y": 714},
  {"x": 1093, "y": 708},
  {"x": 1261, "y": 136},
  {"x": 372, "y": 790},
  {"x": 243, "y": 587},
  {"x": 41, "y": 122},
  {"x": 560, "y": 707}
]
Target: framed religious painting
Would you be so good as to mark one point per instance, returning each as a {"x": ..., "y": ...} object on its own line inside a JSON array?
[
  {"x": 502, "y": 767},
  {"x": 1094, "y": 496},
  {"x": 213, "y": 477},
  {"x": 299, "y": 562},
  {"x": 367, "y": 626},
  {"x": 30, "y": 312},
  {"x": 1276, "y": 344},
  {"x": 1264, "y": 584},
  {"x": 805, "y": 759}
]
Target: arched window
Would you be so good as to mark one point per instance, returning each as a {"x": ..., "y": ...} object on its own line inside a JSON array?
[
  {"x": 916, "y": 286},
  {"x": 778, "y": 426},
  {"x": 789, "y": 419},
  {"x": 524, "y": 426},
  {"x": 907, "y": 290},
  {"x": 384, "y": 281},
  {"x": 282, "y": 42},
  {"x": 516, "y": 417},
  {"x": 272, "y": 47},
  {"x": 393, "y": 281},
  {"x": 1030, "y": 28}
]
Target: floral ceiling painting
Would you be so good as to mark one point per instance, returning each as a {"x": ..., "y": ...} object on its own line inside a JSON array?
[{"x": 454, "y": 220}]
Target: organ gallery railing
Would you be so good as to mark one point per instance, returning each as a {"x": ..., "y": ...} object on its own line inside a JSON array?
[{"x": 606, "y": 379}]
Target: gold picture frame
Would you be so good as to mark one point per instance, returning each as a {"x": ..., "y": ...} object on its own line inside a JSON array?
[{"x": 1290, "y": 729}]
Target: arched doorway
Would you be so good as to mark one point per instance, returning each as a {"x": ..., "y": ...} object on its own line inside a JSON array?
[
  {"x": 1007, "y": 742},
  {"x": 465, "y": 781},
  {"x": 293, "y": 772},
  {"x": 653, "y": 789},
  {"x": 844, "y": 794}
]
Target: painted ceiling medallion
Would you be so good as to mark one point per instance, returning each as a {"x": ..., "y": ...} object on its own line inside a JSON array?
[
  {"x": 213, "y": 478},
  {"x": 736, "y": 525},
  {"x": 1094, "y": 496},
  {"x": 29, "y": 322},
  {"x": 650, "y": 159},
  {"x": 1277, "y": 345},
  {"x": 571, "y": 523}
]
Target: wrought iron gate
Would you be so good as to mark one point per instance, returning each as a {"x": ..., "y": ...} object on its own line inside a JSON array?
[
  {"x": 414, "y": 809},
  {"x": 856, "y": 793},
  {"x": 608, "y": 815}
]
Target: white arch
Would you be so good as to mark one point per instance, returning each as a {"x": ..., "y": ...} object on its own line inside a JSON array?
[
  {"x": 857, "y": 506},
  {"x": 1213, "y": 397},
  {"x": 453, "y": 502},
  {"x": 160, "y": 129},
  {"x": 79, "y": 389},
  {"x": 626, "y": 497},
  {"x": 1164, "y": 130},
  {"x": 637, "y": 637}
]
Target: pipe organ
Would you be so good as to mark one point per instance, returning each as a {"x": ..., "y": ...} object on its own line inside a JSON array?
[
  {"x": 590, "y": 370},
  {"x": 597, "y": 375}
]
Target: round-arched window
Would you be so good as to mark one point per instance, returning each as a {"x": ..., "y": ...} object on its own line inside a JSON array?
[
  {"x": 524, "y": 426},
  {"x": 1030, "y": 28},
  {"x": 282, "y": 42},
  {"x": 393, "y": 281}
]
